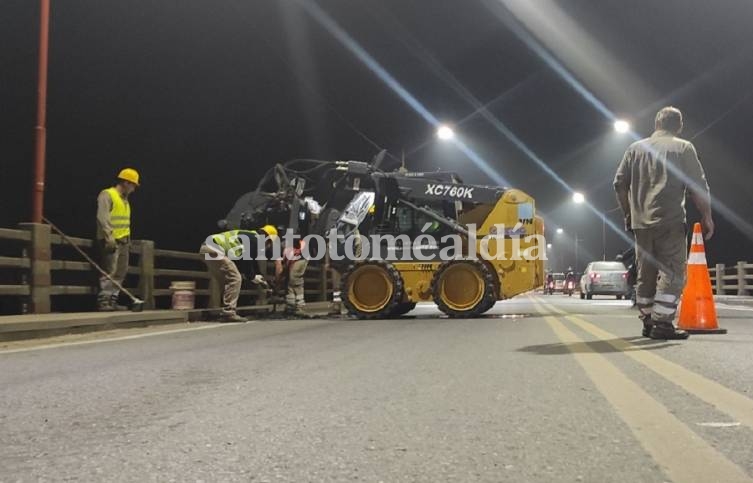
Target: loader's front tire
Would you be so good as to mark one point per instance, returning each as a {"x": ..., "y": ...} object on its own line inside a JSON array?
[
  {"x": 372, "y": 289},
  {"x": 463, "y": 288}
]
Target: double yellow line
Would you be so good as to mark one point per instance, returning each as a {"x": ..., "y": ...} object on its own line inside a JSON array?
[{"x": 682, "y": 454}]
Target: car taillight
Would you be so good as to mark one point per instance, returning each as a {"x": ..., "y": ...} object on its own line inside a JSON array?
[
  {"x": 624, "y": 275},
  {"x": 595, "y": 276}
]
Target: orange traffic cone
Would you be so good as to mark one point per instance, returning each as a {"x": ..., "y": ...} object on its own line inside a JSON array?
[{"x": 697, "y": 310}]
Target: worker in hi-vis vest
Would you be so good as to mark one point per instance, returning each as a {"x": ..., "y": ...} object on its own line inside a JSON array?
[
  {"x": 220, "y": 251},
  {"x": 114, "y": 235}
]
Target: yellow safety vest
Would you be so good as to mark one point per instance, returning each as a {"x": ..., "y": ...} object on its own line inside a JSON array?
[
  {"x": 231, "y": 243},
  {"x": 120, "y": 215}
]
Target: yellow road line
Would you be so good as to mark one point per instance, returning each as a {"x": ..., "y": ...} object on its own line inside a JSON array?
[
  {"x": 724, "y": 399},
  {"x": 682, "y": 454}
]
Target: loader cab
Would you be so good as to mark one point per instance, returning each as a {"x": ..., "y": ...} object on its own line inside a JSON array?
[{"x": 400, "y": 219}]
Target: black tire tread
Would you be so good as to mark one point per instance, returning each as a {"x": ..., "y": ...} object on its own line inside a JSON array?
[
  {"x": 397, "y": 295},
  {"x": 486, "y": 302}
]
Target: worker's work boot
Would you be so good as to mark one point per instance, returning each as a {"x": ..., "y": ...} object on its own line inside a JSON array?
[
  {"x": 335, "y": 308},
  {"x": 114, "y": 303},
  {"x": 667, "y": 331},
  {"x": 648, "y": 324},
  {"x": 105, "y": 308},
  {"x": 297, "y": 312},
  {"x": 232, "y": 318}
]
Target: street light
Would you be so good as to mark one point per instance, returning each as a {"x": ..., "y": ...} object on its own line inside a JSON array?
[
  {"x": 578, "y": 198},
  {"x": 621, "y": 126},
  {"x": 445, "y": 132},
  {"x": 560, "y": 231}
]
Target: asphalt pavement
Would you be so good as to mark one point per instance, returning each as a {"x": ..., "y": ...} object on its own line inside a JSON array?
[{"x": 545, "y": 388}]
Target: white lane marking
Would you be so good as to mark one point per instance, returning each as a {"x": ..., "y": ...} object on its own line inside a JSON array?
[
  {"x": 719, "y": 425},
  {"x": 114, "y": 339}
]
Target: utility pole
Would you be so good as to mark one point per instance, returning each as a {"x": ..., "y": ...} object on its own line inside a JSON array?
[
  {"x": 41, "y": 127},
  {"x": 604, "y": 232},
  {"x": 577, "y": 242}
]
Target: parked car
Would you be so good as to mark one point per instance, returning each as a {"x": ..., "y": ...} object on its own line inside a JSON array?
[
  {"x": 559, "y": 282},
  {"x": 604, "y": 278}
]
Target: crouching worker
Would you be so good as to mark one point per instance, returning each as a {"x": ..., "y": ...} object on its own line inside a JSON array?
[
  {"x": 291, "y": 270},
  {"x": 220, "y": 252}
]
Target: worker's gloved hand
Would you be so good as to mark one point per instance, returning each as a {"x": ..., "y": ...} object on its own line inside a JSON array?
[
  {"x": 110, "y": 244},
  {"x": 628, "y": 223},
  {"x": 708, "y": 226},
  {"x": 259, "y": 280}
]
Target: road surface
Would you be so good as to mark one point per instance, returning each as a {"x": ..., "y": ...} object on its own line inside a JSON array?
[{"x": 544, "y": 389}]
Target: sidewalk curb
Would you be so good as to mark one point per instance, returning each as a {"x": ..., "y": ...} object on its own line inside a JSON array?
[
  {"x": 745, "y": 301},
  {"x": 34, "y": 326}
]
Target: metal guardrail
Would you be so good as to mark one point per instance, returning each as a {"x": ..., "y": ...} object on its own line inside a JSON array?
[
  {"x": 33, "y": 274},
  {"x": 732, "y": 280}
]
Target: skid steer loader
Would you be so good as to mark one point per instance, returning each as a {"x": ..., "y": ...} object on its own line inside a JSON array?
[{"x": 360, "y": 199}]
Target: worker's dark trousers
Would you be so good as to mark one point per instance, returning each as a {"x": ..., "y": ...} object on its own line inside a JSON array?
[
  {"x": 115, "y": 264},
  {"x": 661, "y": 258}
]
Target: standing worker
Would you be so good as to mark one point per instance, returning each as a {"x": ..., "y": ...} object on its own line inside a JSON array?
[
  {"x": 221, "y": 249},
  {"x": 651, "y": 184},
  {"x": 292, "y": 267},
  {"x": 114, "y": 236}
]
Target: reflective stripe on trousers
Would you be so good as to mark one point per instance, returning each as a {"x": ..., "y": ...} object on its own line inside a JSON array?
[{"x": 665, "y": 307}]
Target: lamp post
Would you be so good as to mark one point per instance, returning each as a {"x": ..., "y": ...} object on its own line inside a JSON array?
[
  {"x": 41, "y": 127},
  {"x": 577, "y": 240},
  {"x": 578, "y": 199},
  {"x": 604, "y": 232}
]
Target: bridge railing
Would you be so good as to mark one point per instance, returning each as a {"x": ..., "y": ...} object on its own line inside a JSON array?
[
  {"x": 732, "y": 280},
  {"x": 40, "y": 272}
]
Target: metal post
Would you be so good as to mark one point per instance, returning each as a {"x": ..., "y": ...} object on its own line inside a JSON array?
[
  {"x": 603, "y": 237},
  {"x": 146, "y": 273},
  {"x": 41, "y": 128},
  {"x": 741, "y": 279},
  {"x": 575, "y": 268},
  {"x": 40, "y": 255},
  {"x": 720, "y": 279},
  {"x": 323, "y": 280},
  {"x": 261, "y": 293}
]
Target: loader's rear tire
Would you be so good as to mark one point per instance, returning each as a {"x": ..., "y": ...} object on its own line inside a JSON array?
[
  {"x": 372, "y": 289},
  {"x": 403, "y": 308},
  {"x": 463, "y": 288}
]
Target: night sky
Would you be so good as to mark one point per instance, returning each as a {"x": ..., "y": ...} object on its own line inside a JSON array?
[{"x": 202, "y": 97}]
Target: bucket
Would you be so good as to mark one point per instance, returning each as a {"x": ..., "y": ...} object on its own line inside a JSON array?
[{"x": 183, "y": 295}]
